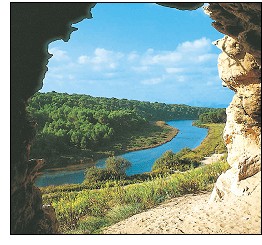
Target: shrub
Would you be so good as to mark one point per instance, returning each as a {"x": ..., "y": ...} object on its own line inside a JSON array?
[
  {"x": 115, "y": 170},
  {"x": 117, "y": 164},
  {"x": 95, "y": 174},
  {"x": 88, "y": 211},
  {"x": 90, "y": 224},
  {"x": 170, "y": 161}
]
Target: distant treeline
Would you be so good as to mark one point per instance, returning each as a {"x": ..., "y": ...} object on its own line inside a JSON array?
[
  {"x": 67, "y": 122},
  {"x": 214, "y": 116}
]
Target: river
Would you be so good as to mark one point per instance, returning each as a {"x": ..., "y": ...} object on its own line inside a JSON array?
[{"x": 142, "y": 160}]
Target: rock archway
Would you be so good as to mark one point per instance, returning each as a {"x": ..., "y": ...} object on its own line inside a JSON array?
[{"x": 34, "y": 25}]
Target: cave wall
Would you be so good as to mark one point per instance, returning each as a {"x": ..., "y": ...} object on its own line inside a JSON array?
[
  {"x": 239, "y": 67},
  {"x": 34, "y": 25}
]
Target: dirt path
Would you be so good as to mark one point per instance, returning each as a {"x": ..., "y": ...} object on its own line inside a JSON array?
[
  {"x": 212, "y": 158},
  {"x": 192, "y": 214}
]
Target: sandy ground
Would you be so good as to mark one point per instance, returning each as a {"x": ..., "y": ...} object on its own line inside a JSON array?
[
  {"x": 192, "y": 214},
  {"x": 212, "y": 158}
]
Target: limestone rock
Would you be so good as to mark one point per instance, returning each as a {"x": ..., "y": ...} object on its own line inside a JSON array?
[
  {"x": 227, "y": 186},
  {"x": 241, "y": 21},
  {"x": 182, "y": 6},
  {"x": 240, "y": 72}
]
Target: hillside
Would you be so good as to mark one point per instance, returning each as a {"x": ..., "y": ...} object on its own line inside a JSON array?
[{"x": 74, "y": 129}]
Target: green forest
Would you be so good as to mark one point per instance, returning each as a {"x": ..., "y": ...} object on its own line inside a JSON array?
[{"x": 81, "y": 125}]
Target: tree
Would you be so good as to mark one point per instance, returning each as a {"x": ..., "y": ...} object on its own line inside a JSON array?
[
  {"x": 114, "y": 170},
  {"x": 117, "y": 164}
]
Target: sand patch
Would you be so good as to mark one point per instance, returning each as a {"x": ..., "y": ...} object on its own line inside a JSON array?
[{"x": 192, "y": 214}]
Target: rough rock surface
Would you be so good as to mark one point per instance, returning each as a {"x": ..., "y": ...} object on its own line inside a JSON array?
[
  {"x": 33, "y": 26},
  {"x": 240, "y": 72},
  {"x": 241, "y": 21}
]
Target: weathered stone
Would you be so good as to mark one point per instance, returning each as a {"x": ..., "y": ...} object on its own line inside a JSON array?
[
  {"x": 182, "y": 6},
  {"x": 227, "y": 186},
  {"x": 240, "y": 72},
  {"x": 49, "y": 221},
  {"x": 241, "y": 21}
]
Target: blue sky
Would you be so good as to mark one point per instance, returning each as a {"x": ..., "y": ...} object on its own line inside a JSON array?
[{"x": 140, "y": 51}]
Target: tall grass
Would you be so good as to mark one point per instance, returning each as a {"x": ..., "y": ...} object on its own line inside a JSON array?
[
  {"x": 213, "y": 143},
  {"x": 89, "y": 211}
]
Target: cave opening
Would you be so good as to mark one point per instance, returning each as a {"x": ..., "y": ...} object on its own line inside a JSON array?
[
  {"x": 150, "y": 66},
  {"x": 28, "y": 59}
]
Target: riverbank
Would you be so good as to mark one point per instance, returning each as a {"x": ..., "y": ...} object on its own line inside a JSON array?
[
  {"x": 156, "y": 134},
  {"x": 212, "y": 144}
]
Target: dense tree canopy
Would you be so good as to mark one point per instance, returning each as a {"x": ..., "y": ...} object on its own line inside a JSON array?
[
  {"x": 214, "y": 116},
  {"x": 67, "y": 122}
]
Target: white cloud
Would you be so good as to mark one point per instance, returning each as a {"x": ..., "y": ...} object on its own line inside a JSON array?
[
  {"x": 174, "y": 70},
  {"x": 181, "y": 79},
  {"x": 206, "y": 57},
  {"x": 55, "y": 76},
  {"x": 150, "y": 51},
  {"x": 164, "y": 57},
  {"x": 132, "y": 56},
  {"x": 186, "y": 52},
  {"x": 82, "y": 59},
  {"x": 58, "y": 54},
  {"x": 199, "y": 45},
  {"x": 101, "y": 59},
  {"x": 71, "y": 77},
  {"x": 110, "y": 74},
  {"x": 153, "y": 81},
  {"x": 191, "y": 62},
  {"x": 140, "y": 68}
]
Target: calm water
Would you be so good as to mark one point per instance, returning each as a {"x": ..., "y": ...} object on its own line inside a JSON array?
[{"x": 142, "y": 161}]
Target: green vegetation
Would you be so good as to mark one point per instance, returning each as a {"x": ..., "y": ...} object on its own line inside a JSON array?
[
  {"x": 171, "y": 162},
  {"x": 89, "y": 211},
  {"x": 187, "y": 158},
  {"x": 75, "y": 129},
  {"x": 91, "y": 206},
  {"x": 117, "y": 164},
  {"x": 115, "y": 169},
  {"x": 213, "y": 143},
  {"x": 215, "y": 116}
]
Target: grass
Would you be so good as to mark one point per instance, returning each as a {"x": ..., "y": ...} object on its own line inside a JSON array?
[
  {"x": 83, "y": 209},
  {"x": 89, "y": 211},
  {"x": 213, "y": 143}
]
